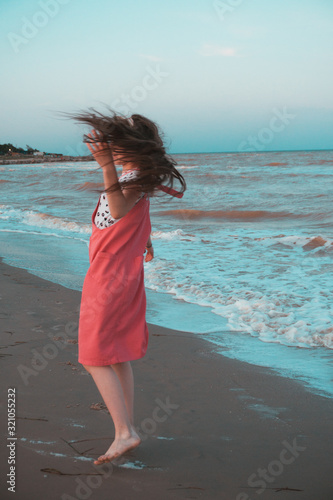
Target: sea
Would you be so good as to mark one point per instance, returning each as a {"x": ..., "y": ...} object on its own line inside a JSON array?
[{"x": 243, "y": 260}]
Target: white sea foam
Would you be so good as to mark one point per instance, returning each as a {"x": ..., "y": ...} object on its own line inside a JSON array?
[
  {"x": 166, "y": 438},
  {"x": 39, "y": 233},
  {"x": 294, "y": 240},
  {"x": 177, "y": 234},
  {"x": 49, "y": 221},
  {"x": 41, "y": 220},
  {"x": 62, "y": 455},
  {"x": 282, "y": 317},
  {"x": 33, "y": 441},
  {"x": 132, "y": 465}
]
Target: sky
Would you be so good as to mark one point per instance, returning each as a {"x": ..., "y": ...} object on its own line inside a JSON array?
[{"x": 217, "y": 76}]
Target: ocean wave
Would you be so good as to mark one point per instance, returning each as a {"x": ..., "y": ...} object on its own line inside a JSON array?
[
  {"x": 50, "y": 221},
  {"x": 321, "y": 162},
  {"x": 42, "y": 220},
  {"x": 31, "y": 184},
  {"x": 73, "y": 166},
  {"x": 177, "y": 234},
  {"x": 39, "y": 233},
  {"x": 275, "y": 164},
  {"x": 56, "y": 200},
  {"x": 89, "y": 186},
  {"x": 231, "y": 214},
  {"x": 282, "y": 317},
  {"x": 308, "y": 243}
]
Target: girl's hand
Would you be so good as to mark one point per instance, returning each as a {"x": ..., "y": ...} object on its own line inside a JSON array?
[
  {"x": 100, "y": 150},
  {"x": 149, "y": 254}
]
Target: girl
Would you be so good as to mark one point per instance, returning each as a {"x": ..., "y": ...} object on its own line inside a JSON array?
[{"x": 112, "y": 326}]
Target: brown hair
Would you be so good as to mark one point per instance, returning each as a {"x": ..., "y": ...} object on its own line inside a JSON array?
[{"x": 137, "y": 140}]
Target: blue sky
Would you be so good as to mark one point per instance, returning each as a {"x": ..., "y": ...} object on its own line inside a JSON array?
[{"x": 238, "y": 75}]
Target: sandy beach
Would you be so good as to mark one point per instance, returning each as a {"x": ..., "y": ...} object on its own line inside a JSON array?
[{"x": 211, "y": 427}]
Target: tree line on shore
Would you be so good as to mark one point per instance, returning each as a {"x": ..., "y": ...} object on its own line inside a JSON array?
[{"x": 8, "y": 148}]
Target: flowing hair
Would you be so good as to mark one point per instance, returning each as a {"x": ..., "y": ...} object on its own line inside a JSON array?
[{"x": 137, "y": 140}]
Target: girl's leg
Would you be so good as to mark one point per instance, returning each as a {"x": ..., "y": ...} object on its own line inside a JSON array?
[
  {"x": 111, "y": 391},
  {"x": 125, "y": 375}
]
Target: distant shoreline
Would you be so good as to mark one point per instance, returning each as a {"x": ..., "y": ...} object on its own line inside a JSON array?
[{"x": 6, "y": 160}]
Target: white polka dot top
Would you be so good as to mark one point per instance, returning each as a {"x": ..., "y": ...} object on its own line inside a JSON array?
[{"x": 103, "y": 218}]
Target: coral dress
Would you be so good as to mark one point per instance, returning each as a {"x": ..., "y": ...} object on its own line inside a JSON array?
[{"x": 112, "y": 326}]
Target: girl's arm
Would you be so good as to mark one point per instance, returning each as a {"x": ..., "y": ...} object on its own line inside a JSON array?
[{"x": 120, "y": 201}]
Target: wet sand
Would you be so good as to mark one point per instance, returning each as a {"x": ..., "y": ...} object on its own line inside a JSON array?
[{"x": 212, "y": 427}]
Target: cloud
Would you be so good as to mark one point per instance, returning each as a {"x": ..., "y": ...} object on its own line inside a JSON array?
[
  {"x": 151, "y": 57},
  {"x": 208, "y": 50}
]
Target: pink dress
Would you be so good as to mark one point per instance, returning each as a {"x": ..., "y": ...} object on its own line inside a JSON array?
[{"x": 112, "y": 326}]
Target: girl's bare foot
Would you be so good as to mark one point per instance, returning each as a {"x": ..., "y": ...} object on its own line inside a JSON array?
[{"x": 119, "y": 447}]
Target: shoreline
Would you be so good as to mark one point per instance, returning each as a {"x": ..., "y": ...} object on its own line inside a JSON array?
[
  {"x": 209, "y": 424},
  {"x": 33, "y": 161}
]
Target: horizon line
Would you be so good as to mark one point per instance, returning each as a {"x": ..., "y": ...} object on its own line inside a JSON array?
[{"x": 254, "y": 151}]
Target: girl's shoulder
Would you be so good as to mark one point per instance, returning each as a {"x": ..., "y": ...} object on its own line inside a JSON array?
[{"x": 130, "y": 174}]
